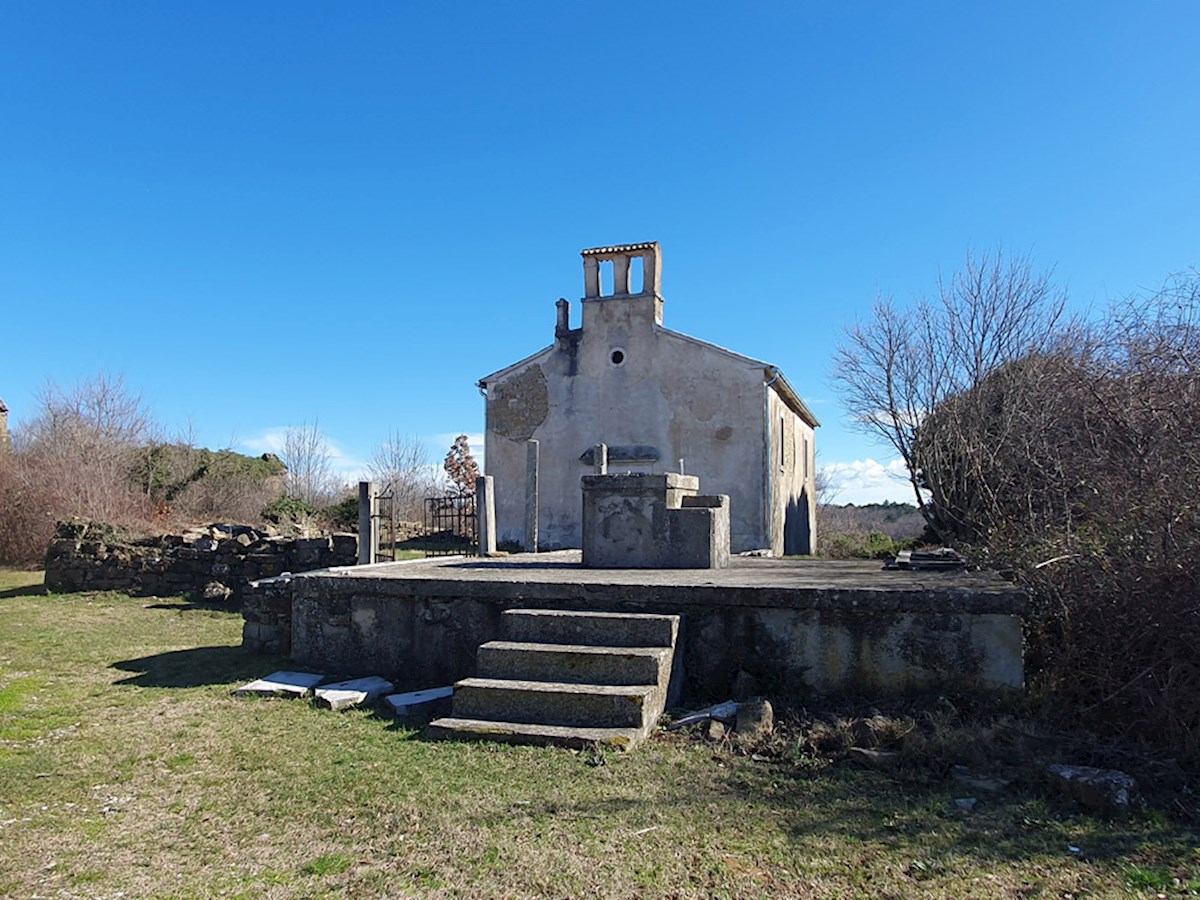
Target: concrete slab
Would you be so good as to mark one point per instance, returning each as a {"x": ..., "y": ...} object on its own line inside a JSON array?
[
  {"x": 806, "y": 624},
  {"x": 746, "y": 582},
  {"x": 281, "y": 684},
  {"x": 411, "y": 702},
  {"x": 345, "y": 694}
]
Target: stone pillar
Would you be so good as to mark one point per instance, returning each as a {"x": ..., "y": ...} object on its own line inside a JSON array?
[
  {"x": 485, "y": 508},
  {"x": 368, "y": 523},
  {"x": 591, "y": 277},
  {"x": 651, "y": 273},
  {"x": 600, "y": 459},
  {"x": 620, "y": 274},
  {"x": 531, "y": 496}
]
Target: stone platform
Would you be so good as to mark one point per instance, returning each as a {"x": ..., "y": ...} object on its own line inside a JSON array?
[{"x": 798, "y": 625}]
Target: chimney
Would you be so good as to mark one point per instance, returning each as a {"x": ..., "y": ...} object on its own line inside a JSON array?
[{"x": 563, "y": 327}]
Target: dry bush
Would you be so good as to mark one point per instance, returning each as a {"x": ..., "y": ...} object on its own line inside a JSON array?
[
  {"x": 895, "y": 369},
  {"x": 236, "y": 498},
  {"x": 27, "y": 523},
  {"x": 1066, "y": 456},
  {"x": 1078, "y": 471},
  {"x": 871, "y": 531},
  {"x": 309, "y": 459},
  {"x": 74, "y": 458}
]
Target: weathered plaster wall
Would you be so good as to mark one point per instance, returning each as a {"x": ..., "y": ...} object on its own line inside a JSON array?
[
  {"x": 793, "y": 507},
  {"x": 688, "y": 400}
]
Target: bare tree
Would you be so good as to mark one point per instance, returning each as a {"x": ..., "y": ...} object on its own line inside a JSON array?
[
  {"x": 309, "y": 460},
  {"x": 895, "y": 369},
  {"x": 75, "y": 457},
  {"x": 85, "y": 441},
  {"x": 401, "y": 463},
  {"x": 460, "y": 466}
]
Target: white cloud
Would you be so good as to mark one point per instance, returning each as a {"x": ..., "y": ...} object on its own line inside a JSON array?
[
  {"x": 270, "y": 441},
  {"x": 445, "y": 440},
  {"x": 862, "y": 481},
  {"x": 346, "y": 467}
]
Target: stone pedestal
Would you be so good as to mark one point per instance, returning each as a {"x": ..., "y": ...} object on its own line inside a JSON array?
[{"x": 641, "y": 521}]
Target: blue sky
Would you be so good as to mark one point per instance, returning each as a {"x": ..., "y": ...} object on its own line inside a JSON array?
[{"x": 263, "y": 214}]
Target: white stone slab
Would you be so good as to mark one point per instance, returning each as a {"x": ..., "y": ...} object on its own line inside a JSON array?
[
  {"x": 345, "y": 694},
  {"x": 406, "y": 704},
  {"x": 281, "y": 684}
]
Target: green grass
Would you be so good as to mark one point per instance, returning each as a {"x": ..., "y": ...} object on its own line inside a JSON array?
[{"x": 127, "y": 766}]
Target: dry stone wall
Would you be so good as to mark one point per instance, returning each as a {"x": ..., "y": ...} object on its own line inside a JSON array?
[{"x": 213, "y": 564}]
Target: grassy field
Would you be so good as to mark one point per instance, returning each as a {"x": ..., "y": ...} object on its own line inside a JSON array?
[{"x": 127, "y": 769}]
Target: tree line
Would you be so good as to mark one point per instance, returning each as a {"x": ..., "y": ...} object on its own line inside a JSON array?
[{"x": 94, "y": 450}]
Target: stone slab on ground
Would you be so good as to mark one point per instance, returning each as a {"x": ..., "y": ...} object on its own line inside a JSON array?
[
  {"x": 345, "y": 694},
  {"x": 408, "y": 703},
  {"x": 464, "y": 728},
  {"x": 281, "y": 684}
]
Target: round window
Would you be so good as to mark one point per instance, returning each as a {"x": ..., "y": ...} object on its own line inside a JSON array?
[{"x": 617, "y": 356}]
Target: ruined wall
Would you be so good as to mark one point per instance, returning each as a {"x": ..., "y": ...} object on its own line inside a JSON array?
[{"x": 214, "y": 563}]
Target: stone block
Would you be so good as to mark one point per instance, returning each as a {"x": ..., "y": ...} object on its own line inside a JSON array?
[
  {"x": 282, "y": 684},
  {"x": 698, "y": 534},
  {"x": 653, "y": 521},
  {"x": 344, "y": 548},
  {"x": 347, "y": 694},
  {"x": 552, "y": 703}
]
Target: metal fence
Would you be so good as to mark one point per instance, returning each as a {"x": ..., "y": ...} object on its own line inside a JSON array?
[{"x": 451, "y": 526}]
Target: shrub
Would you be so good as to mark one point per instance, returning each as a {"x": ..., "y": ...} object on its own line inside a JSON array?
[
  {"x": 343, "y": 515},
  {"x": 288, "y": 509}
]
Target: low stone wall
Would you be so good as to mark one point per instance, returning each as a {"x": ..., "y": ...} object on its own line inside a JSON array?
[
  {"x": 214, "y": 563},
  {"x": 800, "y": 626}
]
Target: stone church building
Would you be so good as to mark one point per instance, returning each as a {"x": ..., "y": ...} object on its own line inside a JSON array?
[{"x": 662, "y": 402}]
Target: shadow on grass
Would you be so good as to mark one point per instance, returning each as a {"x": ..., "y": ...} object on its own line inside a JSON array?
[
  {"x": 197, "y": 667},
  {"x": 29, "y": 590},
  {"x": 185, "y": 604}
]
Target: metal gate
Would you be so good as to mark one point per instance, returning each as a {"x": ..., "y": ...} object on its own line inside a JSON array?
[
  {"x": 384, "y": 516},
  {"x": 451, "y": 526}
]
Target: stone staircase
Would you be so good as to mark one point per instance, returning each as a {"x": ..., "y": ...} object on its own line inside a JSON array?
[{"x": 568, "y": 678}]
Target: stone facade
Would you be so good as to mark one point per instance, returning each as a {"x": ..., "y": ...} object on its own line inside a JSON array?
[
  {"x": 655, "y": 397},
  {"x": 4, "y": 436},
  {"x": 214, "y": 563}
]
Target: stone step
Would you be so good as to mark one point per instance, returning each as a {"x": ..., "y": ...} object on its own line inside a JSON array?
[
  {"x": 573, "y": 663},
  {"x": 554, "y": 702},
  {"x": 457, "y": 728},
  {"x": 596, "y": 629}
]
